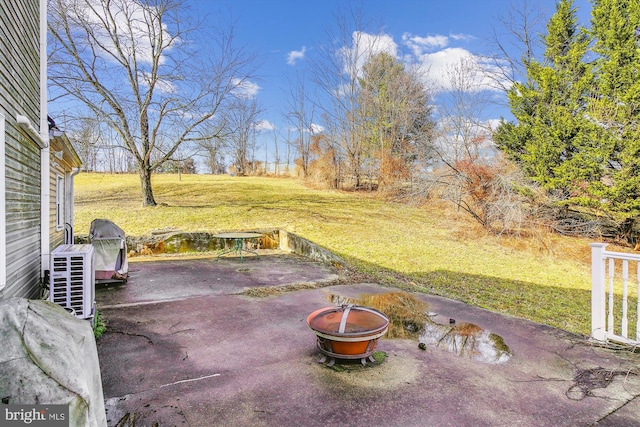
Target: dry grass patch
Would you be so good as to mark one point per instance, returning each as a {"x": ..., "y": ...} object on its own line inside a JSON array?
[{"x": 270, "y": 291}]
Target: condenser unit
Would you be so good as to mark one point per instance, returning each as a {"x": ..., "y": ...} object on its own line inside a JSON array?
[{"x": 72, "y": 279}]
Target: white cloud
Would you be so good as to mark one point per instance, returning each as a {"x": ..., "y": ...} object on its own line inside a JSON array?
[
  {"x": 419, "y": 45},
  {"x": 363, "y": 47},
  {"x": 374, "y": 44},
  {"x": 316, "y": 128},
  {"x": 295, "y": 55},
  {"x": 462, "y": 37},
  {"x": 264, "y": 125},
  {"x": 438, "y": 66},
  {"x": 245, "y": 88},
  {"x": 493, "y": 124},
  {"x": 162, "y": 85},
  {"x": 436, "y": 59},
  {"x": 132, "y": 23},
  {"x": 434, "y": 56}
]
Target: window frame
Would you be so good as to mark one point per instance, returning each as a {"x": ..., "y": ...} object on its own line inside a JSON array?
[{"x": 59, "y": 202}]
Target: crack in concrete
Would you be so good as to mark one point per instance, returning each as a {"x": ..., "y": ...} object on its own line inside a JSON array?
[
  {"x": 126, "y": 396},
  {"x": 189, "y": 380},
  {"x": 131, "y": 335},
  {"x": 615, "y": 410}
]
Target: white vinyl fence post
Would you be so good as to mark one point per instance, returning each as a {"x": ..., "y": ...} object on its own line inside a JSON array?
[{"x": 598, "y": 294}]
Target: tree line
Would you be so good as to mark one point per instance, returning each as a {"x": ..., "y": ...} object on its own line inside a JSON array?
[{"x": 364, "y": 119}]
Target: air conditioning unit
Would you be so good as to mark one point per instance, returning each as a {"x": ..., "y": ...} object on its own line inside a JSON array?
[{"x": 72, "y": 279}]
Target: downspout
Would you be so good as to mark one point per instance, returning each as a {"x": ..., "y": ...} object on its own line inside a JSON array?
[
  {"x": 45, "y": 196},
  {"x": 25, "y": 124}
]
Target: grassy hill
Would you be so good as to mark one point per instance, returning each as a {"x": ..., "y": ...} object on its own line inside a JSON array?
[{"x": 431, "y": 248}]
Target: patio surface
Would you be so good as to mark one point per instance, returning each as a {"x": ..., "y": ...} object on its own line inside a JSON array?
[{"x": 184, "y": 348}]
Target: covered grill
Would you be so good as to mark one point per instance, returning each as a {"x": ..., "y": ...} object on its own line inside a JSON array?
[{"x": 110, "y": 249}]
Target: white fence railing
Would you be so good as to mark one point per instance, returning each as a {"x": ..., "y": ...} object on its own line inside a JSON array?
[{"x": 604, "y": 304}]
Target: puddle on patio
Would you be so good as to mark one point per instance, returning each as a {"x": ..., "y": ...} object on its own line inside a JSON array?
[
  {"x": 409, "y": 318},
  {"x": 466, "y": 340}
]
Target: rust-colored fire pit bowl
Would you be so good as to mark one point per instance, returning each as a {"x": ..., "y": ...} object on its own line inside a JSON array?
[{"x": 347, "y": 332}]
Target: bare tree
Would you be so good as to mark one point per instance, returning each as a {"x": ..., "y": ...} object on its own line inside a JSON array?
[
  {"x": 288, "y": 155},
  {"x": 241, "y": 118},
  {"x": 336, "y": 75},
  {"x": 300, "y": 115},
  {"x": 86, "y": 136},
  {"x": 276, "y": 136},
  {"x": 134, "y": 65},
  {"x": 375, "y": 110},
  {"x": 214, "y": 155},
  {"x": 96, "y": 145},
  {"x": 473, "y": 176},
  {"x": 463, "y": 131},
  {"x": 254, "y": 164},
  {"x": 518, "y": 43},
  {"x": 326, "y": 165},
  {"x": 213, "y": 144}
]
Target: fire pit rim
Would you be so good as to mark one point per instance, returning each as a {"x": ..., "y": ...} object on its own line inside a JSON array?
[{"x": 349, "y": 336}]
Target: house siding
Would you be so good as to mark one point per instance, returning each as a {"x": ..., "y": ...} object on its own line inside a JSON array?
[{"x": 20, "y": 94}]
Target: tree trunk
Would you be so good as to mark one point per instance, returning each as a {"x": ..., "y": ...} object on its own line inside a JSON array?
[{"x": 145, "y": 184}]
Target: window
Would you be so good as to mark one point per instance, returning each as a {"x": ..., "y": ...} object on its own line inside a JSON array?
[{"x": 59, "y": 202}]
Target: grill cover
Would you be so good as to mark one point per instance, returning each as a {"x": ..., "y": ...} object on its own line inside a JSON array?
[{"x": 110, "y": 247}]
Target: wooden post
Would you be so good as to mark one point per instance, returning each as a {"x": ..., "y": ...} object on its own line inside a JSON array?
[{"x": 598, "y": 294}]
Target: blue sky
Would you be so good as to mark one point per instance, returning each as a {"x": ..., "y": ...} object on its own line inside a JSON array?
[
  {"x": 287, "y": 33},
  {"x": 430, "y": 35}
]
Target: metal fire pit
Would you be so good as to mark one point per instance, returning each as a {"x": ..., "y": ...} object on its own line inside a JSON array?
[{"x": 347, "y": 332}]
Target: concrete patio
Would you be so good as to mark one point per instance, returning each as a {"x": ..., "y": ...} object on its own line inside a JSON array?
[{"x": 184, "y": 347}]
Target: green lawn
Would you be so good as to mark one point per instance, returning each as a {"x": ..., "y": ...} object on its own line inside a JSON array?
[{"x": 431, "y": 248}]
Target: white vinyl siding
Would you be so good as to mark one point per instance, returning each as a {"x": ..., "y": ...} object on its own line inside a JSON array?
[
  {"x": 20, "y": 94},
  {"x": 3, "y": 214}
]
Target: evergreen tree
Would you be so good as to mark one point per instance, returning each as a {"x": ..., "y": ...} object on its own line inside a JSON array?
[
  {"x": 615, "y": 26},
  {"x": 553, "y": 135}
]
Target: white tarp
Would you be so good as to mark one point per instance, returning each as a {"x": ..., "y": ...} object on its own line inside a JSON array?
[{"x": 50, "y": 357}]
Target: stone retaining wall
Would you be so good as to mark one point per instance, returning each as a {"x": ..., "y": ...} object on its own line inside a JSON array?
[{"x": 175, "y": 242}]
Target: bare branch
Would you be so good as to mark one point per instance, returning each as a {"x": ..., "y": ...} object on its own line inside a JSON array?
[{"x": 136, "y": 67}]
